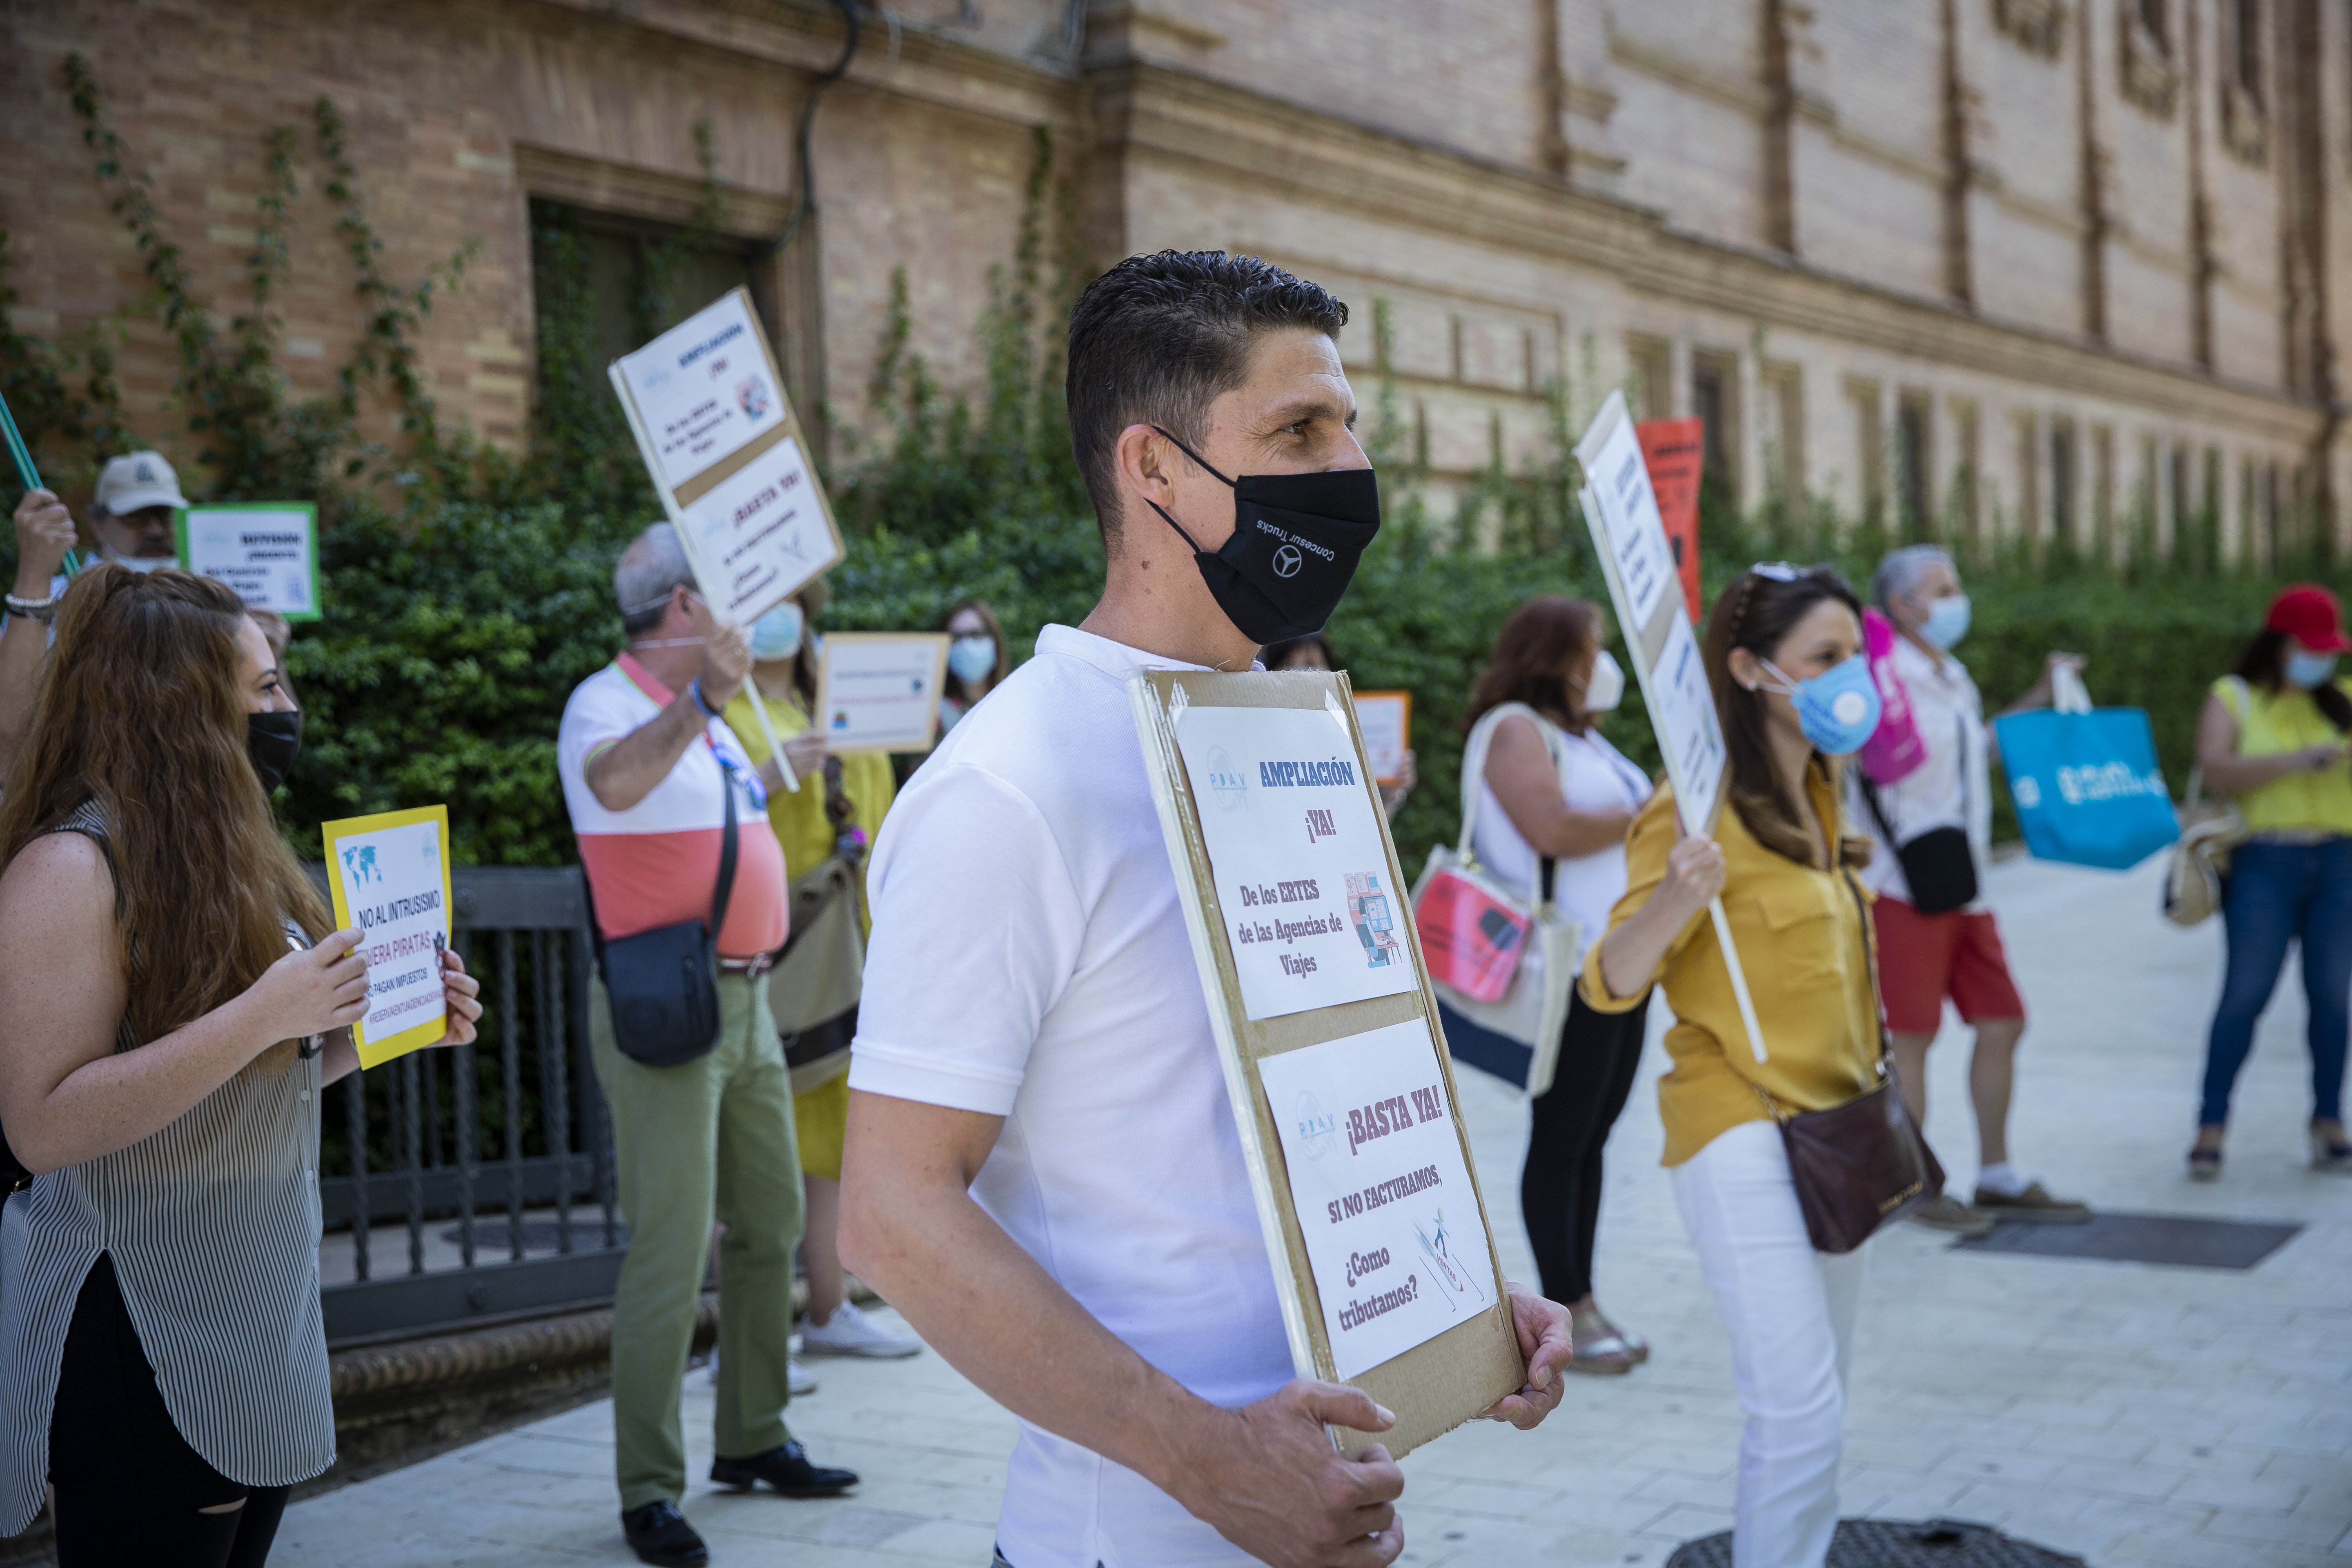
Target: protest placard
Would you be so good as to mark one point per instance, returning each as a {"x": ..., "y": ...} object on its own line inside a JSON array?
[
  {"x": 1386, "y": 720},
  {"x": 731, "y": 464},
  {"x": 1629, "y": 539},
  {"x": 389, "y": 875},
  {"x": 267, "y": 550},
  {"x": 1674, "y": 453},
  {"x": 1382, "y": 1252},
  {"x": 879, "y": 691}
]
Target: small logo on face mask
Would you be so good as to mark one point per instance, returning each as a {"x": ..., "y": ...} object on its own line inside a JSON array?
[{"x": 1288, "y": 561}]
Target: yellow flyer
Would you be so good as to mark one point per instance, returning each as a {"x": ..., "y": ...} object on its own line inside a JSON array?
[{"x": 390, "y": 875}]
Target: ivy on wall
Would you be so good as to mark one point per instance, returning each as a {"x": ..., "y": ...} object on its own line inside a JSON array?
[{"x": 469, "y": 591}]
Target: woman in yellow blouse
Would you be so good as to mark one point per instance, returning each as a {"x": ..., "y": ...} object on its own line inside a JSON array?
[
  {"x": 2273, "y": 734},
  {"x": 836, "y": 810},
  {"x": 1784, "y": 656}
]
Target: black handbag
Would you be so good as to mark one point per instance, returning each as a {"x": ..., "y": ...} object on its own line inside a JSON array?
[
  {"x": 664, "y": 984},
  {"x": 1939, "y": 865},
  {"x": 1859, "y": 1165}
]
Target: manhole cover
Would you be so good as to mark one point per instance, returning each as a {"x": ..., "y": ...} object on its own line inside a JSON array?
[
  {"x": 537, "y": 1236},
  {"x": 1891, "y": 1543},
  {"x": 2143, "y": 1239}
]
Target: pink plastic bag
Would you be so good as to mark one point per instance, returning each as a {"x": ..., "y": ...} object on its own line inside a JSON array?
[{"x": 1894, "y": 750}]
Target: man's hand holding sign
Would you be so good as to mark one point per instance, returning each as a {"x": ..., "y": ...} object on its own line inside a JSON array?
[{"x": 1036, "y": 1040}]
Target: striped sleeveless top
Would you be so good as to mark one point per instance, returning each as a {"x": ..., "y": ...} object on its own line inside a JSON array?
[{"x": 213, "y": 1223}]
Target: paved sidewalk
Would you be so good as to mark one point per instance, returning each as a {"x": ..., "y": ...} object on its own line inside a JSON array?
[{"x": 2137, "y": 1415}]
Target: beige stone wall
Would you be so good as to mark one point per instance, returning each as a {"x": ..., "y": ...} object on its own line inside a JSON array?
[{"x": 1879, "y": 216}]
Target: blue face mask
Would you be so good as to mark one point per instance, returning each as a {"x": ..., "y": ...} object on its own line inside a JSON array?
[
  {"x": 777, "y": 635},
  {"x": 2309, "y": 671},
  {"x": 1947, "y": 620},
  {"x": 1838, "y": 708},
  {"x": 972, "y": 658}
]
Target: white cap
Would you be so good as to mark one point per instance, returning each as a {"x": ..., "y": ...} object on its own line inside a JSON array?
[{"x": 134, "y": 482}]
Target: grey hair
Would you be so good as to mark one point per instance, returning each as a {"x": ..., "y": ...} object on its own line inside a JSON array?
[
  {"x": 651, "y": 566},
  {"x": 1900, "y": 571}
]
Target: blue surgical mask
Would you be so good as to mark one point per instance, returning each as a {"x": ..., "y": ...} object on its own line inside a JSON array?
[
  {"x": 1947, "y": 620},
  {"x": 971, "y": 659},
  {"x": 777, "y": 635},
  {"x": 2309, "y": 671},
  {"x": 1838, "y": 708}
]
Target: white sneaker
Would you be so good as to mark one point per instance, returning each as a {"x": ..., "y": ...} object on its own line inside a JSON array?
[{"x": 851, "y": 1332}]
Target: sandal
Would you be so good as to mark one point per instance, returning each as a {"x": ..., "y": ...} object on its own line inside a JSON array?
[
  {"x": 1599, "y": 1350},
  {"x": 2330, "y": 1153},
  {"x": 2204, "y": 1164}
]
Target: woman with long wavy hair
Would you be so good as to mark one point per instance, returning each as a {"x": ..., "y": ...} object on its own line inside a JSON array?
[
  {"x": 1783, "y": 655},
  {"x": 171, "y": 1003}
]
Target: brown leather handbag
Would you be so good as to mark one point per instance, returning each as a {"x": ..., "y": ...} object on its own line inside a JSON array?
[{"x": 1861, "y": 1164}]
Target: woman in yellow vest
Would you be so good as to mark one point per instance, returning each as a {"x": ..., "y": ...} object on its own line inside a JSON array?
[
  {"x": 2273, "y": 734},
  {"x": 1783, "y": 655},
  {"x": 836, "y": 811}
]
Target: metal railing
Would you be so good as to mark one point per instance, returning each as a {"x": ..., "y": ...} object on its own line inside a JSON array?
[{"x": 511, "y": 1126}]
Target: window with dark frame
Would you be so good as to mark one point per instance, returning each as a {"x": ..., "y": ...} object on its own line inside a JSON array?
[
  {"x": 642, "y": 276},
  {"x": 2061, "y": 481},
  {"x": 1711, "y": 405}
]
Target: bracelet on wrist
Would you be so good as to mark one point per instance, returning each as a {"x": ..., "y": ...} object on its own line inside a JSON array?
[
  {"x": 694, "y": 689},
  {"x": 36, "y": 609}
]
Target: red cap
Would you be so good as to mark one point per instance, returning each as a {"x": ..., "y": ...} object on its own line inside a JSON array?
[{"x": 2310, "y": 614}]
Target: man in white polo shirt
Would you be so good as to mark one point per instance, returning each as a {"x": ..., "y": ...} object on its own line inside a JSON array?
[{"x": 1043, "y": 1170}]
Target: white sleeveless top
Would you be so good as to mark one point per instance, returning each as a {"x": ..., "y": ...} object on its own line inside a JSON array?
[
  {"x": 1593, "y": 776},
  {"x": 213, "y": 1223}
]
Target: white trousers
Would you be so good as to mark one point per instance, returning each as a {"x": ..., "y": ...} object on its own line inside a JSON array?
[{"x": 1790, "y": 1311}]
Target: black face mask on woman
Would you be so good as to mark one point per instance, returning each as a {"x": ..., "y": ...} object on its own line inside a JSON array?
[
  {"x": 271, "y": 741},
  {"x": 1296, "y": 540}
]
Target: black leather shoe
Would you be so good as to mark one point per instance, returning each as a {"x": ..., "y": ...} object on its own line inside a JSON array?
[
  {"x": 659, "y": 1534},
  {"x": 787, "y": 1469}
]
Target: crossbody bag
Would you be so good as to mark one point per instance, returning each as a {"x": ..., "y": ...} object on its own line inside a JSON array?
[
  {"x": 664, "y": 983},
  {"x": 1941, "y": 866},
  {"x": 1863, "y": 1164}
]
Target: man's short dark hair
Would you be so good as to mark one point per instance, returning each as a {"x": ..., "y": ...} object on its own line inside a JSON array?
[{"x": 1157, "y": 339}]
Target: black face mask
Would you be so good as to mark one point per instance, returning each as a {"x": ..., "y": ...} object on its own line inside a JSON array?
[
  {"x": 271, "y": 739},
  {"x": 1296, "y": 538}
]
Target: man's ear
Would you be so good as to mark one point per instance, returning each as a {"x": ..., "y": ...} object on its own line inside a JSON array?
[{"x": 1143, "y": 457}]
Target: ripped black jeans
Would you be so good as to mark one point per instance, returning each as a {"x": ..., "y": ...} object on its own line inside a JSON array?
[{"x": 131, "y": 1492}]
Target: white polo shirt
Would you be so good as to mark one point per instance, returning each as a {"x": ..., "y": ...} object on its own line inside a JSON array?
[
  {"x": 1952, "y": 788},
  {"x": 1029, "y": 961}
]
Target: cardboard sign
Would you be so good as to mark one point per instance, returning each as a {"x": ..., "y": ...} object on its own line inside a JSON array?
[
  {"x": 728, "y": 459},
  {"x": 267, "y": 550},
  {"x": 1295, "y": 842},
  {"x": 1622, "y": 513},
  {"x": 1386, "y": 720},
  {"x": 1674, "y": 451},
  {"x": 879, "y": 691},
  {"x": 389, "y": 875},
  {"x": 1382, "y": 1252}
]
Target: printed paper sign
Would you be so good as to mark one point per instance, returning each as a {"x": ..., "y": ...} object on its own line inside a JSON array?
[
  {"x": 1682, "y": 707},
  {"x": 1385, "y": 719},
  {"x": 1294, "y": 846},
  {"x": 702, "y": 389},
  {"x": 267, "y": 550},
  {"x": 390, "y": 877},
  {"x": 759, "y": 535},
  {"x": 1383, "y": 1198},
  {"x": 1629, "y": 515},
  {"x": 880, "y": 692}
]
